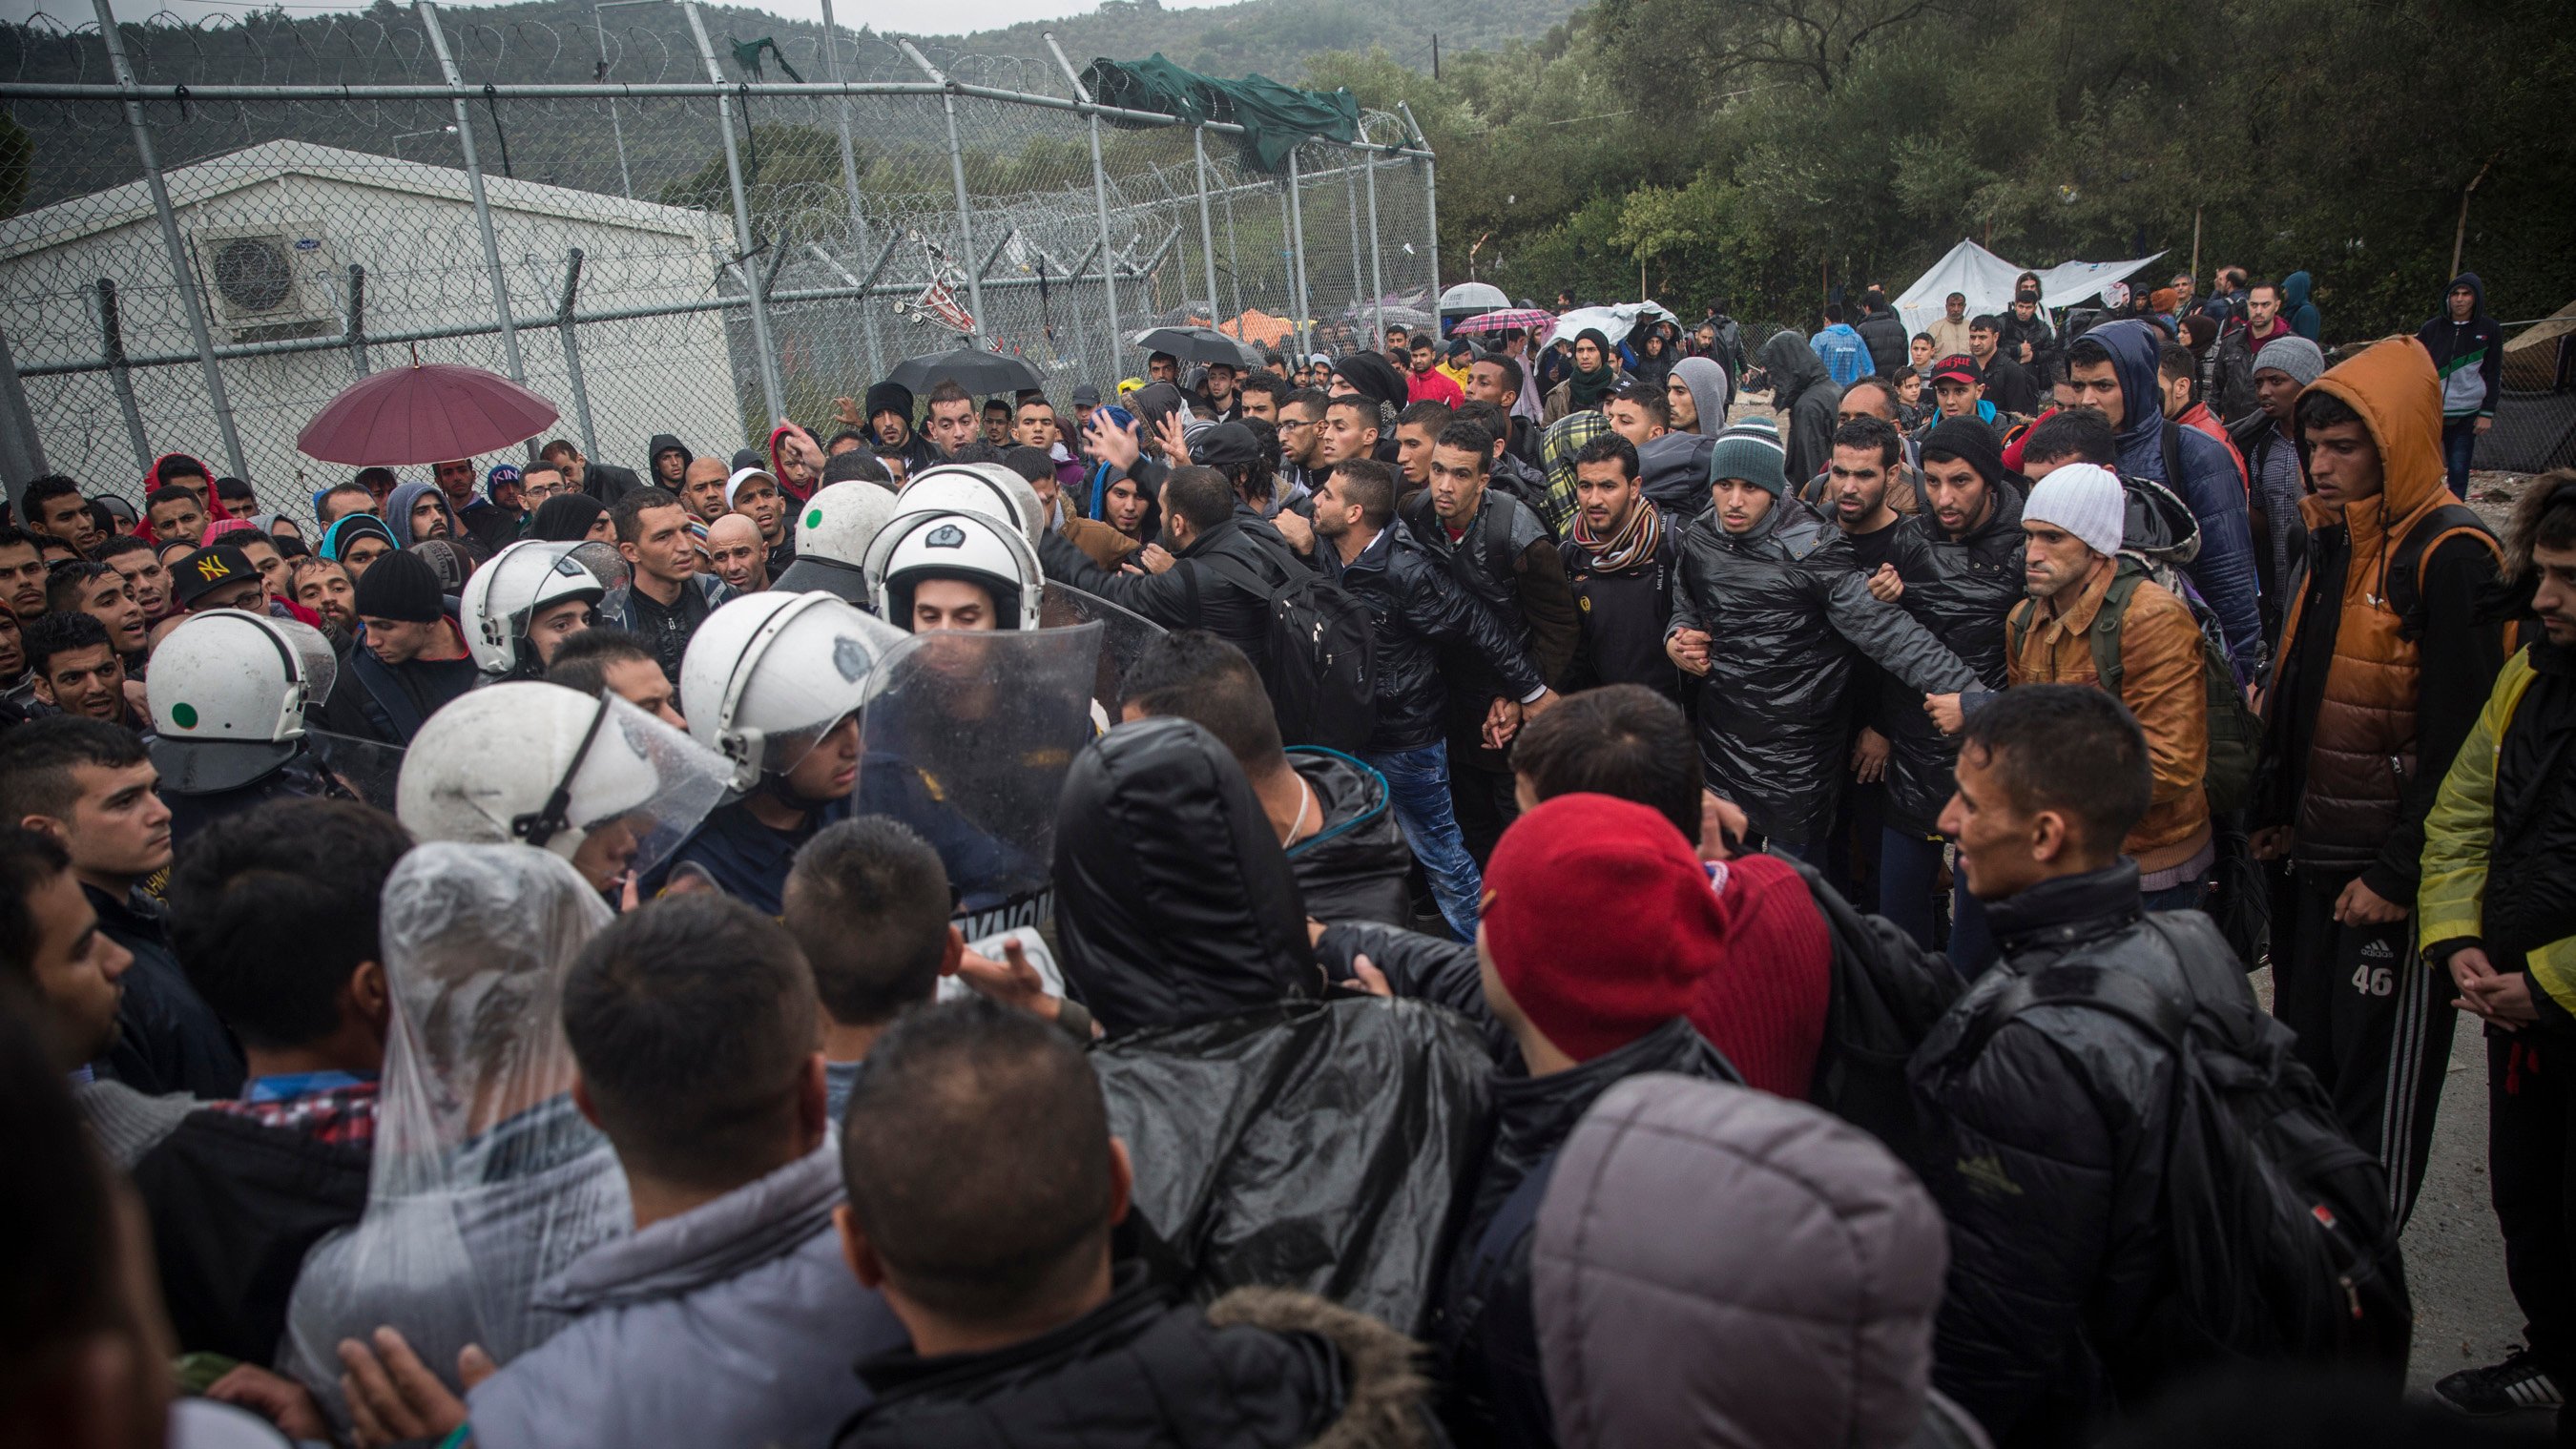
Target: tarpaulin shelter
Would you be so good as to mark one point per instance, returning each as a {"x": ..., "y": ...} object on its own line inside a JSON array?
[
  {"x": 1258, "y": 326},
  {"x": 1275, "y": 118},
  {"x": 1987, "y": 281}
]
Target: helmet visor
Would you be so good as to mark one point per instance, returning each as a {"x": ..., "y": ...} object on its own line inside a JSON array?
[{"x": 640, "y": 788}]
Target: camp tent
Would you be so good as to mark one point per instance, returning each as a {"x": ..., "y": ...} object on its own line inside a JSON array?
[{"x": 1987, "y": 280}]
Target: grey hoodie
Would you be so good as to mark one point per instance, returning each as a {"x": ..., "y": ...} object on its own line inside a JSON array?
[
  {"x": 1718, "y": 1268},
  {"x": 734, "y": 1323},
  {"x": 1710, "y": 389}
]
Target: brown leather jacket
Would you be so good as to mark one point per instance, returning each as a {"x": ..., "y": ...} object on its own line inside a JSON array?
[
  {"x": 2363, "y": 720},
  {"x": 2160, "y": 682}
]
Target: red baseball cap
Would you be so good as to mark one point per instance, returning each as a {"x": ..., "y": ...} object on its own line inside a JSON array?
[
  {"x": 1958, "y": 365},
  {"x": 1600, "y": 921}
]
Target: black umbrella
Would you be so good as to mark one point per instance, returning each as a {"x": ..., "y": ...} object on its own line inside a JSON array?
[
  {"x": 971, "y": 368},
  {"x": 1195, "y": 344}
]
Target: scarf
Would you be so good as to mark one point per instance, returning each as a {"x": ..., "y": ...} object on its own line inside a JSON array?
[
  {"x": 1585, "y": 390},
  {"x": 1634, "y": 543}
]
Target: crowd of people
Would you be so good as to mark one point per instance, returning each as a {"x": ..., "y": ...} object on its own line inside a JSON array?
[{"x": 1511, "y": 889}]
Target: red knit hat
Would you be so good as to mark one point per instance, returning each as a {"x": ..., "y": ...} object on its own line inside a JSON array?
[{"x": 1600, "y": 921}]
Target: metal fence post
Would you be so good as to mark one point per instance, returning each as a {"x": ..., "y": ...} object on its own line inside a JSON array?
[
  {"x": 1100, "y": 198},
  {"x": 355, "y": 332},
  {"x": 1207, "y": 230},
  {"x": 965, "y": 214},
  {"x": 120, "y": 378},
  {"x": 1299, "y": 297},
  {"x": 744, "y": 243},
  {"x": 570, "y": 336},
  {"x": 1430, "y": 204},
  {"x": 191, "y": 305},
  {"x": 22, "y": 453},
  {"x": 482, "y": 204},
  {"x": 1351, "y": 200},
  {"x": 850, "y": 183},
  {"x": 1233, "y": 263},
  {"x": 1377, "y": 265}
]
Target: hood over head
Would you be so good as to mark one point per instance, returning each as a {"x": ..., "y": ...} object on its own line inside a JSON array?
[
  {"x": 777, "y": 469},
  {"x": 566, "y": 518},
  {"x": 1802, "y": 1317},
  {"x": 2294, "y": 291},
  {"x": 666, "y": 443},
  {"x": 160, "y": 474},
  {"x": 2393, "y": 386},
  {"x": 398, "y": 512},
  {"x": 1792, "y": 365},
  {"x": 1710, "y": 389},
  {"x": 2477, "y": 294},
  {"x": 1374, "y": 378},
  {"x": 1174, "y": 902},
  {"x": 889, "y": 397},
  {"x": 348, "y": 530},
  {"x": 2133, "y": 346}
]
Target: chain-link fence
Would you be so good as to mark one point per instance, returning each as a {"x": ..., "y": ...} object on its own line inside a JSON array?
[{"x": 227, "y": 224}]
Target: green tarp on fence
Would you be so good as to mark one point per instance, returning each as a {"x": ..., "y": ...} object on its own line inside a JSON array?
[{"x": 1274, "y": 118}]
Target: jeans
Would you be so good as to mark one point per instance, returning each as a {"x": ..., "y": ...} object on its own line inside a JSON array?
[
  {"x": 1907, "y": 867},
  {"x": 2459, "y": 445},
  {"x": 1417, "y": 781}
]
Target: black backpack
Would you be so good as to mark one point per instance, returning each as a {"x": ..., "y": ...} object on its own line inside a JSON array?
[
  {"x": 1321, "y": 657},
  {"x": 2281, "y": 1244},
  {"x": 1886, "y": 994}
]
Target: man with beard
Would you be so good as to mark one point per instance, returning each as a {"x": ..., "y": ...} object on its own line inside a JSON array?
[
  {"x": 702, "y": 489},
  {"x": 1619, "y": 560},
  {"x": 325, "y": 588},
  {"x": 1301, "y": 439},
  {"x": 888, "y": 419}
]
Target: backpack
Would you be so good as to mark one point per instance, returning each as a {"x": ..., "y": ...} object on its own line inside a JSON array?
[
  {"x": 2235, "y": 734},
  {"x": 1885, "y": 995},
  {"x": 1320, "y": 657},
  {"x": 2281, "y": 1241},
  {"x": 2406, "y": 565}
]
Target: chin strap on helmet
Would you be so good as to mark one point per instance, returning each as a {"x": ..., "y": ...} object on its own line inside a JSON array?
[{"x": 539, "y": 826}]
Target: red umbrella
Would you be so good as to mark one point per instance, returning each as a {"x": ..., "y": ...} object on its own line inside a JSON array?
[
  {"x": 424, "y": 413},
  {"x": 1518, "y": 319}
]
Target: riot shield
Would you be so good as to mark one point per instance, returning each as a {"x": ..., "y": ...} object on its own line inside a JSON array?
[
  {"x": 967, "y": 741},
  {"x": 1124, "y": 635},
  {"x": 364, "y": 769}
]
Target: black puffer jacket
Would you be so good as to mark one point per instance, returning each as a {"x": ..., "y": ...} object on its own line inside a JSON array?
[
  {"x": 1960, "y": 590},
  {"x": 1486, "y": 1335},
  {"x": 1417, "y": 611},
  {"x": 2047, "y": 1161},
  {"x": 1509, "y": 561},
  {"x": 1779, "y": 602},
  {"x": 1173, "y": 901},
  {"x": 1192, "y": 595},
  {"x": 1888, "y": 344},
  {"x": 1256, "y": 1369},
  {"x": 1353, "y": 867}
]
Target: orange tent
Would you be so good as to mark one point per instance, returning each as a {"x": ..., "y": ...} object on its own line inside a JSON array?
[{"x": 1258, "y": 326}]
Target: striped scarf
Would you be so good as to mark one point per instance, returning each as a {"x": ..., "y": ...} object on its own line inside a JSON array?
[{"x": 1634, "y": 543}]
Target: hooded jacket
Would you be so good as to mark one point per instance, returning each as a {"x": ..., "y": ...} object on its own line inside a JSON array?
[
  {"x": 1353, "y": 867},
  {"x": 167, "y": 1038},
  {"x": 2297, "y": 310},
  {"x": 1800, "y": 1315},
  {"x": 1782, "y": 601},
  {"x": 2043, "y": 1157},
  {"x": 2469, "y": 355},
  {"x": 1193, "y": 594},
  {"x": 159, "y": 475},
  {"x": 732, "y": 1323},
  {"x": 2211, "y": 483},
  {"x": 1961, "y": 590},
  {"x": 1174, "y": 903},
  {"x": 1801, "y": 388},
  {"x": 1417, "y": 613},
  {"x": 1257, "y": 1368},
  {"x": 1846, "y": 357},
  {"x": 2368, "y": 707},
  {"x": 398, "y": 507},
  {"x": 1487, "y": 1335},
  {"x": 653, "y": 451},
  {"x": 1711, "y": 391}
]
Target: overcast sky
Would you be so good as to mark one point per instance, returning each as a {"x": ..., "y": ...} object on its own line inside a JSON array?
[{"x": 983, "y": 15}]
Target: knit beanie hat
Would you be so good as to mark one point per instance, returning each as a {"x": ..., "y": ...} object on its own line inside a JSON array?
[
  {"x": 1970, "y": 441},
  {"x": 1592, "y": 982},
  {"x": 2086, "y": 500},
  {"x": 336, "y": 541},
  {"x": 399, "y": 586},
  {"x": 1751, "y": 450},
  {"x": 889, "y": 397},
  {"x": 2295, "y": 358}
]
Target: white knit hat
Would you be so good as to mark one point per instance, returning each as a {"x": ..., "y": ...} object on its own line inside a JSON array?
[{"x": 2086, "y": 500}]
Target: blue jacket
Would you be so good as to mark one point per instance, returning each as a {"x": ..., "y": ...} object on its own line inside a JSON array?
[
  {"x": 2224, "y": 570},
  {"x": 1845, "y": 354}
]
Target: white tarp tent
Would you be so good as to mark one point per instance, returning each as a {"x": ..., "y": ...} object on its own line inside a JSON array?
[
  {"x": 1615, "y": 322},
  {"x": 1987, "y": 280}
]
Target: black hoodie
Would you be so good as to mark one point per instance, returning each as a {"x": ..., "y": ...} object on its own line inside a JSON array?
[{"x": 2468, "y": 355}]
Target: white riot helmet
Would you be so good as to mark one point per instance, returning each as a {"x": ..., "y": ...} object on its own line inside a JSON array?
[
  {"x": 832, "y": 534},
  {"x": 975, "y": 547},
  {"x": 508, "y": 592},
  {"x": 228, "y": 692},
  {"x": 552, "y": 767},
  {"x": 990, "y": 489},
  {"x": 768, "y": 675}
]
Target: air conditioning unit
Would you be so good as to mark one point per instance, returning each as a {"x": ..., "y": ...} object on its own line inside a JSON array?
[{"x": 269, "y": 281}]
